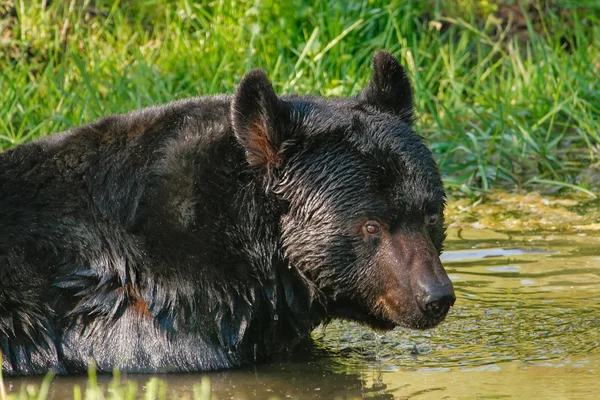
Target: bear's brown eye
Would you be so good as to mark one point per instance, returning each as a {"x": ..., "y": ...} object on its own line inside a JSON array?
[
  {"x": 372, "y": 228},
  {"x": 432, "y": 219}
]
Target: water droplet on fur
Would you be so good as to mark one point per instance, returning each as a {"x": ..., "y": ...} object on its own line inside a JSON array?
[
  {"x": 255, "y": 352},
  {"x": 276, "y": 317}
]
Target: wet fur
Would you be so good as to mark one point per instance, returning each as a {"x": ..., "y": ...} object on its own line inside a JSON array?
[{"x": 206, "y": 233}]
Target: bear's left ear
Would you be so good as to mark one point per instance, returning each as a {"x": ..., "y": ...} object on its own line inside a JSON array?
[
  {"x": 259, "y": 119},
  {"x": 389, "y": 89}
]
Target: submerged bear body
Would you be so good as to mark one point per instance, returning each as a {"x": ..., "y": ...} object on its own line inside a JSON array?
[{"x": 212, "y": 232}]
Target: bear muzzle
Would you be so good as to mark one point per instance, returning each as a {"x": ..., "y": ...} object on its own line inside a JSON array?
[
  {"x": 435, "y": 300},
  {"x": 417, "y": 292}
]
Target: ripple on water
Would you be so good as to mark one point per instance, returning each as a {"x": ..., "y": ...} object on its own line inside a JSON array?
[{"x": 536, "y": 305}]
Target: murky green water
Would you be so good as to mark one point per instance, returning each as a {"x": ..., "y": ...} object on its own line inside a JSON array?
[{"x": 526, "y": 324}]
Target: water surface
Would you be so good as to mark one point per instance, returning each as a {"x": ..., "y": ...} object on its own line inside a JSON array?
[{"x": 526, "y": 324}]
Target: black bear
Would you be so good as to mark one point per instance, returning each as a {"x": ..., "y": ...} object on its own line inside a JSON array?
[{"x": 211, "y": 232}]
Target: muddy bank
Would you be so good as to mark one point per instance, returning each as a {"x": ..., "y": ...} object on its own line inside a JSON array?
[{"x": 531, "y": 212}]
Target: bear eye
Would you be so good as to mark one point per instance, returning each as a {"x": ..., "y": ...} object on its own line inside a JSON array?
[
  {"x": 372, "y": 228},
  {"x": 432, "y": 219}
]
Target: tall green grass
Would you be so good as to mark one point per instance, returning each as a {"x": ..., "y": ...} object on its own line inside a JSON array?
[{"x": 500, "y": 104}]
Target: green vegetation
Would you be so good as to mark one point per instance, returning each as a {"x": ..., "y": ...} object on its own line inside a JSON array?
[
  {"x": 508, "y": 93},
  {"x": 116, "y": 389}
]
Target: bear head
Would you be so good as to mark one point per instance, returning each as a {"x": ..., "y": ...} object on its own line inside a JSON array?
[{"x": 362, "y": 196}]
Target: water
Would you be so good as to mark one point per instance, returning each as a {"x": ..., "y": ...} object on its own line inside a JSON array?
[{"x": 526, "y": 324}]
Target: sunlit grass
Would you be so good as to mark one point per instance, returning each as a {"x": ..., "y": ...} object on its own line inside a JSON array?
[
  {"x": 116, "y": 389},
  {"x": 497, "y": 108}
]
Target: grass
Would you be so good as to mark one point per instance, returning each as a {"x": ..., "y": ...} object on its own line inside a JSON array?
[
  {"x": 505, "y": 98},
  {"x": 116, "y": 389}
]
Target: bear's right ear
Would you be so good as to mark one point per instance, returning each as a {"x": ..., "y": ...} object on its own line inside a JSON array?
[
  {"x": 259, "y": 119},
  {"x": 389, "y": 89}
]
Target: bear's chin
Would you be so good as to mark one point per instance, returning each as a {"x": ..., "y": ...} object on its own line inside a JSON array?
[
  {"x": 416, "y": 320},
  {"x": 382, "y": 319},
  {"x": 419, "y": 322}
]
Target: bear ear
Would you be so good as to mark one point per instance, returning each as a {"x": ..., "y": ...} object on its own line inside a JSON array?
[
  {"x": 389, "y": 89},
  {"x": 258, "y": 118}
]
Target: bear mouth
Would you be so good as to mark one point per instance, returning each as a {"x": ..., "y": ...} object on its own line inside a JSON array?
[
  {"x": 410, "y": 317},
  {"x": 382, "y": 316}
]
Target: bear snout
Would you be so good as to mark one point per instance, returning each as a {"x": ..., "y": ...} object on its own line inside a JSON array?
[
  {"x": 435, "y": 301},
  {"x": 417, "y": 291},
  {"x": 432, "y": 289}
]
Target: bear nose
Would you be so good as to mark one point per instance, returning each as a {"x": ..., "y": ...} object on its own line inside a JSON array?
[{"x": 437, "y": 300}]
